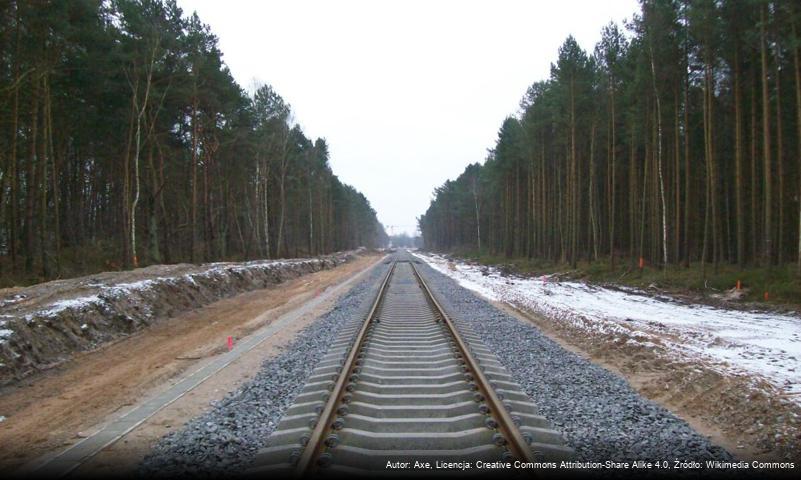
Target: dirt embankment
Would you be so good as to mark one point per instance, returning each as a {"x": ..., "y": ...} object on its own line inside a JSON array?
[
  {"x": 48, "y": 412},
  {"x": 44, "y": 325}
]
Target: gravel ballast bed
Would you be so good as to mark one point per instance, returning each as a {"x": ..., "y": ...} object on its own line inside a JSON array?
[
  {"x": 600, "y": 415},
  {"x": 224, "y": 440}
]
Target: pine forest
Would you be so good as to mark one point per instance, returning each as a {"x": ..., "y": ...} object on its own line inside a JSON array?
[
  {"x": 675, "y": 142},
  {"x": 125, "y": 141}
]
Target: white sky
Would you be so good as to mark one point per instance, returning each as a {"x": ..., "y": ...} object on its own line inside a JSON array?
[{"x": 407, "y": 93}]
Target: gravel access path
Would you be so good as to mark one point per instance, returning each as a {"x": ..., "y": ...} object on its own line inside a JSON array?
[
  {"x": 600, "y": 415},
  {"x": 224, "y": 440}
]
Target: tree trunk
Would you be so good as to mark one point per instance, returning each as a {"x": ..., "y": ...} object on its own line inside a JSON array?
[
  {"x": 593, "y": 216},
  {"x": 768, "y": 182},
  {"x": 154, "y": 252},
  {"x": 687, "y": 176},
  {"x": 738, "y": 161},
  {"x": 573, "y": 176},
  {"x": 14, "y": 161},
  {"x": 140, "y": 112},
  {"x": 43, "y": 161},
  {"x": 30, "y": 177},
  {"x": 478, "y": 215},
  {"x": 644, "y": 203},
  {"x": 311, "y": 214},
  {"x": 55, "y": 177},
  {"x": 282, "y": 200},
  {"x": 797, "y": 75},
  {"x": 612, "y": 180},
  {"x": 137, "y": 149},
  {"x": 659, "y": 161},
  {"x": 710, "y": 154},
  {"x": 755, "y": 207},
  {"x": 266, "y": 206},
  {"x": 676, "y": 180},
  {"x": 194, "y": 126},
  {"x": 779, "y": 161}
]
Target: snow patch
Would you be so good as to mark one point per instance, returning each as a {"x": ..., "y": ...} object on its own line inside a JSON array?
[
  {"x": 119, "y": 290},
  {"x": 761, "y": 344},
  {"x": 16, "y": 298},
  {"x": 127, "y": 288},
  {"x": 72, "y": 303}
]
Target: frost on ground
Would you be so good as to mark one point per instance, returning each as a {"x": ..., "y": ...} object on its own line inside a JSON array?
[
  {"x": 45, "y": 324},
  {"x": 735, "y": 342},
  {"x": 734, "y": 371}
]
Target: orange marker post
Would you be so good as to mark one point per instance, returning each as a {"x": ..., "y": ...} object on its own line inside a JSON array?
[
  {"x": 230, "y": 343},
  {"x": 766, "y": 296},
  {"x": 739, "y": 285},
  {"x": 642, "y": 263}
]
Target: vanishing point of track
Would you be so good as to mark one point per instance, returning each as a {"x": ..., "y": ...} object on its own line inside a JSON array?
[{"x": 404, "y": 385}]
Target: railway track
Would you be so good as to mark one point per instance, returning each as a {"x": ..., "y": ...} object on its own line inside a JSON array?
[{"x": 403, "y": 386}]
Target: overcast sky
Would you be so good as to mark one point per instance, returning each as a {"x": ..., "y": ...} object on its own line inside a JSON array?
[{"x": 406, "y": 93}]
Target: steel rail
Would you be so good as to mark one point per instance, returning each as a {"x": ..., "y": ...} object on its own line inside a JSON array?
[
  {"x": 515, "y": 442},
  {"x": 307, "y": 461}
]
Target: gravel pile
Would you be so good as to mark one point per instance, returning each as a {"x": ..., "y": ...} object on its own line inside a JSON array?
[
  {"x": 601, "y": 417},
  {"x": 223, "y": 441}
]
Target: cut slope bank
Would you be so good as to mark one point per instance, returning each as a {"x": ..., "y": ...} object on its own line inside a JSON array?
[{"x": 43, "y": 325}]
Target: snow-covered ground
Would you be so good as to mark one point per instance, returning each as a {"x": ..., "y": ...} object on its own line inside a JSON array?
[{"x": 766, "y": 345}]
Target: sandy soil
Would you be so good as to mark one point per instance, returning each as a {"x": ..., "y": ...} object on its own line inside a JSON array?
[
  {"x": 57, "y": 409},
  {"x": 710, "y": 402}
]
